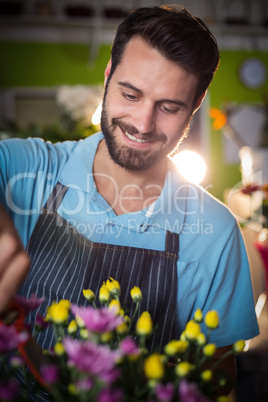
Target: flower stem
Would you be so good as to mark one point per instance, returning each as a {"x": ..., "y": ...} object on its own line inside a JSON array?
[
  {"x": 135, "y": 312},
  {"x": 230, "y": 352}
]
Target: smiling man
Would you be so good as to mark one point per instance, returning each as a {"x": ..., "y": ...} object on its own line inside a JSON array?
[
  {"x": 115, "y": 206},
  {"x": 145, "y": 108}
]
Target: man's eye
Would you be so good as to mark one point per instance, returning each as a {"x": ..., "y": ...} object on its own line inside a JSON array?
[
  {"x": 169, "y": 110},
  {"x": 129, "y": 97}
]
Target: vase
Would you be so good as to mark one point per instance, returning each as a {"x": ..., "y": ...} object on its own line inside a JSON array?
[{"x": 262, "y": 246}]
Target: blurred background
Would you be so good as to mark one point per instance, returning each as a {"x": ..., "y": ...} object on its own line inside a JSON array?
[{"x": 53, "y": 56}]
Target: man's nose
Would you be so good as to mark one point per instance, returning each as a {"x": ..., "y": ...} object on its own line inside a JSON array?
[{"x": 145, "y": 118}]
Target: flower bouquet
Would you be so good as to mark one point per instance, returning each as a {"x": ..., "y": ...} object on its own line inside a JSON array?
[{"x": 98, "y": 356}]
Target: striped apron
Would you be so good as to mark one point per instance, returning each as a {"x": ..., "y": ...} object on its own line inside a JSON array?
[{"x": 64, "y": 263}]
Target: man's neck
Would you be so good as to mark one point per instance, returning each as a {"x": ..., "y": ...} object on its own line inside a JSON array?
[{"x": 126, "y": 191}]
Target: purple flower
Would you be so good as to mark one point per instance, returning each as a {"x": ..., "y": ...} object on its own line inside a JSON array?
[
  {"x": 40, "y": 322},
  {"x": 9, "y": 338},
  {"x": 110, "y": 395},
  {"x": 98, "y": 320},
  {"x": 189, "y": 392},
  {"x": 128, "y": 346},
  {"x": 29, "y": 304},
  {"x": 49, "y": 373},
  {"x": 164, "y": 393},
  {"x": 88, "y": 357},
  {"x": 8, "y": 390}
]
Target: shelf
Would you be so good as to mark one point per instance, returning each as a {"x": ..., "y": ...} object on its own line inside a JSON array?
[{"x": 83, "y": 30}]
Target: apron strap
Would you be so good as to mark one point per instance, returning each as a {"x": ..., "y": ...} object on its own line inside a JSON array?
[
  {"x": 55, "y": 198},
  {"x": 172, "y": 243}
]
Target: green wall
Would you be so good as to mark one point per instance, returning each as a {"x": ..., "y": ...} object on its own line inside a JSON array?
[{"x": 50, "y": 64}]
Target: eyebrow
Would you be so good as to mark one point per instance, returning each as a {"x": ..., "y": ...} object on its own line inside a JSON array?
[
  {"x": 173, "y": 101},
  {"x": 130, "y": 86}
]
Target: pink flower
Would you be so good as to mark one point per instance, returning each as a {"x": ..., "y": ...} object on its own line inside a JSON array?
[
  {"x": 128, "y": 346},
  {"x": 94, "y": 359},
  {"x": 164, "y": 393},
  {"x": 108, "y": 395},
  {"x": 189, "y": 392},
  {"x": 29, "y": 304},
  {"x": 98, "y": 320},
  {"x": 9, "y": 338},
  {"x": 8, "y": 390},
  {"x": 84, "y": 385},
  {"x": 16, "y": 361},
  {"x": 49, "y": 373}
]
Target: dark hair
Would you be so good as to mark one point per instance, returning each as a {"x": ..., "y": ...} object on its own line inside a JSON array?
[{"x": 179, "y": 36}]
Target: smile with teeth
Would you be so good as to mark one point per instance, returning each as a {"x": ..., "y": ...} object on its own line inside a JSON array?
[{"x": 132, "y": 138}]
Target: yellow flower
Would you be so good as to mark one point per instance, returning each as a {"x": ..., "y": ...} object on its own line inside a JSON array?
[
  {"x": 58, "y": 312},
  {"x": 174, "y": 347},
  {"x": 206, "y": 375},
  {"x": 183, "y": 336},
  {"x": 79, "y": 321},
  {"x": 198, "y": 316},
  {"x": 65, "y": 303},
  {"x": 114, "y": 287},
  {"x": 106, "y": 337},
  {"x": 133, "y": 358},
  {"x": 72, "y": 388},
  {"x": 104, "y": 294},
  {"x": 209, "y": 349},
  {"x": 224, "y": 398},
  {"x": 192, "y": 330},
  {"x": 84, "y": 334},
  {"x": 222, "y": 382},
  {"x": 136, "y": 294},
  {"x": 182, "y": 369},
  {"x": 201, "y": 339},
  {"x": 59, "y": 349},
  {"x": 144, "y": 324},
  {"x": 238, "y": 346},
  {"x": 72, "y": 328},
  {"x": 122, "y": 329},
  {"x": 89, "y": 295},
  {"x": 212, "y": 319},
  {"x": 116, "y": 307},
  {"x": 154, "y": 367},
  {"x": 127, "y": 320}
]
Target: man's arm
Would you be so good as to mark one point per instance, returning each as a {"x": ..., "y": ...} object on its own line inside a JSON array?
[{"x": 14, "y": 262}]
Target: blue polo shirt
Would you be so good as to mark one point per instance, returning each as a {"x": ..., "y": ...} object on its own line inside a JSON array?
[{"x": 213, "y": 271}]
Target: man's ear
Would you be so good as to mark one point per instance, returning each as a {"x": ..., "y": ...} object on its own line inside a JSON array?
[
  {"x": 199, "y": 101},
  {"x": 107, "y": 71}
]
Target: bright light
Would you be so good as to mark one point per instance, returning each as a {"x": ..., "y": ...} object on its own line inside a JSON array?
[
  {"x": 191, "y": 166},
  {"x": 97, "y": 115},
  {"x": 245, "y": 155}
]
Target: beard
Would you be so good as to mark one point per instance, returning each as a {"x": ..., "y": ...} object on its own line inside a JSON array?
[{"x": 129, "y": 158}]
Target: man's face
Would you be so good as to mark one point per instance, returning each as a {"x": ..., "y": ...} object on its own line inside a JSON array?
[{"x": 147, "y": 107}]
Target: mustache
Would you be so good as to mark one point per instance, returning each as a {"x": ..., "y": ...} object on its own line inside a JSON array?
[{"x": 133, "y": 130}]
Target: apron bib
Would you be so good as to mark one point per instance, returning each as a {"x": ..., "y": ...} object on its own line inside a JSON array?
[{"x": 64, "y": 263}]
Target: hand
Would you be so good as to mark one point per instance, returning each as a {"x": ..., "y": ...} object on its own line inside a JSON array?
[{"x": 14, "y": 262}]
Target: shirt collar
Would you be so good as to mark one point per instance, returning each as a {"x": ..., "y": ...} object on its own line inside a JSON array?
[{"x": 169, "y": 210}]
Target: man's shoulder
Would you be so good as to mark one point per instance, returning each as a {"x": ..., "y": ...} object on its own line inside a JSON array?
[
  {"x": 34, "y": 148},
  {"x": 37, "y": 151}
]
